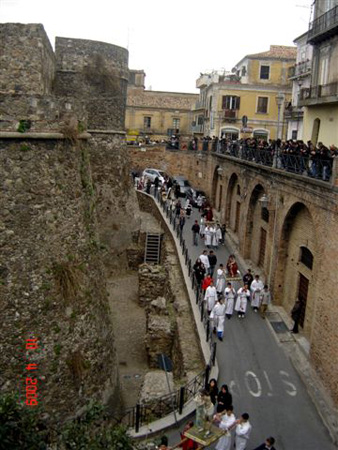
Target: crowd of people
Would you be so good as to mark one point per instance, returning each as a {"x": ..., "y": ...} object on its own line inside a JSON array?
[{"x": 292, "y": 155}]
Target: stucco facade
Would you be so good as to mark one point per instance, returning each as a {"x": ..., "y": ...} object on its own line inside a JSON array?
[
  {"x": 156, "y": 114},
  {"x": 244, "y": 103}
]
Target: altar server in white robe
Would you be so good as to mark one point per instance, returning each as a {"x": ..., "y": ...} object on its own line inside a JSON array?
[
  {"x": 205, "y": 260},
  {"x": 202, "y": 227},
  {"x": 228, "y": 420},
  {"x": 218, "y": 316},
  {"x": 243, "y": 431},
  {"x": 243, "y": 295},
  {"x": 217, "y": 237},
  {"x": 256, "y": 288},
  {"x": 220, "y": 280},
  {"x": 229, "y": 295},
  {"x": 208, "y": 236},
  {"x": 210, "y": 297}
]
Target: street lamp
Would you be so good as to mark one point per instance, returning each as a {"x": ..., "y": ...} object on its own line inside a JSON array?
[
  {"x": 279, "y": 100},
  {"x": 264, "y": 201}
]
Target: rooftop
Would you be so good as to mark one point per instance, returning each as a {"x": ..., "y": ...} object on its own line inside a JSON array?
[{"x": 277, "y": 52}]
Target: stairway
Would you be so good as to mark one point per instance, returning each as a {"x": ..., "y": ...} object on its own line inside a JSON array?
[{"x": 153, "y": 248}]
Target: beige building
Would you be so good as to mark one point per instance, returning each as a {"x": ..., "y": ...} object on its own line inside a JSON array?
[
  {"x": 250, "y": 100},
  {"x": 156, "y": 114},
  {"x": 321, "y": 98}
]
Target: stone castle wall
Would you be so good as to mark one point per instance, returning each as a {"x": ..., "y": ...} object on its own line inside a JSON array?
[{"x": 68, "y": 214}]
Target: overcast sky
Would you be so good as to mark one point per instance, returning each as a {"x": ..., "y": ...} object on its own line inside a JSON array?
[{"x": 172, "y": 41}]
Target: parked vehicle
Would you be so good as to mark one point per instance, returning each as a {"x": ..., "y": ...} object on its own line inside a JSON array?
[
  {"x": 182, "y": 186},
  {"x": 151, "y": 174}
]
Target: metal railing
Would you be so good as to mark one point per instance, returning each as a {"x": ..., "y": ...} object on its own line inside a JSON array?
[
  {"x": 323, "y": 25},
  {"x": 145, "y": 413},
  {"x": 309, "y": 166}
]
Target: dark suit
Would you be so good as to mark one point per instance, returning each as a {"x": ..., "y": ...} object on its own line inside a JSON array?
[{"x": 264, "y": 447}]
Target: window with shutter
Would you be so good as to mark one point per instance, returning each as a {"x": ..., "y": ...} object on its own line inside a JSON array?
[
  {"x": 262, "y": 105},
  {"x": 265, "y": 72}
]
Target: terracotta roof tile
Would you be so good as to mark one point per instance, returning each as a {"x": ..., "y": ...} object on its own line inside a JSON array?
[{"x": 277, "y": 52}]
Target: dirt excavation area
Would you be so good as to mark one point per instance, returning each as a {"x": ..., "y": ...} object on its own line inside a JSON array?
[{"x": 130, "y": 323}]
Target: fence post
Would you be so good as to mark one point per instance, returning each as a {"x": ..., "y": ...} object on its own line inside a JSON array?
[
  {"x": 213, "y": 359},
  {"x": 138, "y": 416},
  {"x": 193, "y": 281},
  {"x": 202, "y": 311},
  {"x": 207, "y": 373},
  {"x": 197, "y": 294},
  {"x": 208, "y": 330},
  {"x": 181, "y": 401}
]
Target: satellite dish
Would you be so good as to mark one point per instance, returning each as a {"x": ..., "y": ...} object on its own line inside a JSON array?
[{"x": 234, "y": 70}]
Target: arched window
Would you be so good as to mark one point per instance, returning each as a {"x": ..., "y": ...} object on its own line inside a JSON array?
[
  {"x": 306, "y": 257},
  {"x": 265, "y": 215}
]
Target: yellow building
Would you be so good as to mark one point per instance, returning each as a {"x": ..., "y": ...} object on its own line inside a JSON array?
[
  {"x": 156, "y": 115},
  {"x": 321, "y": 98},
  {"x": 249, "y": 101}
]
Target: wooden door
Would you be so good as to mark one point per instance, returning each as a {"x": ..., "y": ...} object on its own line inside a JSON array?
[
  {"x": 262, "y": 246},
  {"x": 303, "y": 289}
]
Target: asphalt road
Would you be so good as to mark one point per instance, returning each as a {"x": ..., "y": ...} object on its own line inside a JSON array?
[{"x": 262, "y": 379}]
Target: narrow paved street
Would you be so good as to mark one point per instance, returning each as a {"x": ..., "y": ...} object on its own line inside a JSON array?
[{"x": 261, "y": 377}]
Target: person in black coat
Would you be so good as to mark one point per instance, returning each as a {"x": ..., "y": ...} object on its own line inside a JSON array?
[
  {"x": 213, "y": 390},
  {"x": 199, "y": 271},
  {"x": 268, "y": 444},
  {"x": 295, "y": 314},
  {"x": 224, "y": 399}
]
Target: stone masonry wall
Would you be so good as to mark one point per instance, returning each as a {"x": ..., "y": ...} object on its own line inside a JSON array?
[{"x": 52, "y": 277}]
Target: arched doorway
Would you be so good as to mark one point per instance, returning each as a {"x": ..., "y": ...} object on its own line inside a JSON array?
[
  {"x": 256, "y": 228},
  {"x": 296, "y": 263}
]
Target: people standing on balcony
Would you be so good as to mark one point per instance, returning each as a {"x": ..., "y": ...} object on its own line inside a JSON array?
[{"x": 230, "y": 296}]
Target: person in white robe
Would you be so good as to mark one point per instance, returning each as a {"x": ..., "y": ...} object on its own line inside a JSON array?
[
  {"x": 202, "y": 227},
  {"x": 243, "y": 431},
  {"x": 229, "y": 295},
  {"x": 217, "y": 237},
  {"x": 256, "y": 289},
  {"x": 265, "y": 300},
  {"x": 243, "y": 295},
  {"x": 217, "y": 315},
  {"x": 220, "y": 280},
  {"x": 210, "y": 297},
  {"x": 212, "y": 235},
  {"x": 205, "y": 260},
  {"x": 227, "y": 421},
  {"x": 207, "y": 236}
]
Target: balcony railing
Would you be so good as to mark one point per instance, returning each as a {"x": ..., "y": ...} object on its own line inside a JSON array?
[
  {"x": 318, "y": 92},
  {"x": 293, "y": 113},
  {"x": 199, "y": 104},
  {"x": 324, "y": 26},
  {"x": 229, "y": 115},
  {"x": 300, "y": 69}
]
